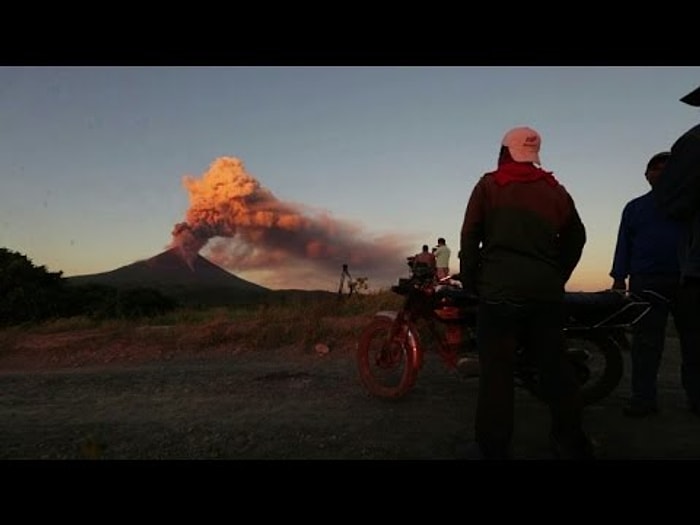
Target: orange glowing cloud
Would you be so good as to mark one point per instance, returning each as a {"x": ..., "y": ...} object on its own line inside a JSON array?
[{"x": 243, "y": 227}]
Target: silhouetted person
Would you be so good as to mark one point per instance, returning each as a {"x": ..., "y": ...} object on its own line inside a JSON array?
[
  {"x": 345, "y": 277},
  {"x": 442, "y": 258},
  {"x": 646, "y": 258},
  {"x": 424, "y": 264},
  {"x": 521, "y": 239},
  {"x": 678, "y": 193}
]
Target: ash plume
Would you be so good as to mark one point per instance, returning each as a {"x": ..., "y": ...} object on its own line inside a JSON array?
[{"x": 288, "y": 245}]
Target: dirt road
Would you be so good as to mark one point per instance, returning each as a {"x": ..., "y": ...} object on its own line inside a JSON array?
[{"x": 293, "y": 404}]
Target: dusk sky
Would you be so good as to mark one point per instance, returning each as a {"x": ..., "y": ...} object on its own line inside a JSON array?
[{"x": 303, "y": 168}]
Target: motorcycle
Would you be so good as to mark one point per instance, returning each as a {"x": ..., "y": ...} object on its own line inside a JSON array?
[{"x": 391, "y": 350}]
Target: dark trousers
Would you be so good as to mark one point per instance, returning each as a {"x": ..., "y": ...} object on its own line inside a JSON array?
[
  {"x": 649, "y": 336},
  {"x": 501, "y": 327},
  {"x": 687, "y": 320}
]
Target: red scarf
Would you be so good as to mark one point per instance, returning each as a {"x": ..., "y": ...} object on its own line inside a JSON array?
[{"x": 522, "y": 172}]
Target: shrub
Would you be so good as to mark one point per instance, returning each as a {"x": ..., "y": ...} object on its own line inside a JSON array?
[
  {"x": 27, "y": 292},
  {"x": 143, "y": 302}
]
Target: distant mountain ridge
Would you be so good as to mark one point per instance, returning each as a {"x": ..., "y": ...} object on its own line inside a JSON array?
[{"x": 199, "y": 281}]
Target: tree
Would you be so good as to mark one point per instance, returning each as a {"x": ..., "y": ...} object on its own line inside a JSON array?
[
  {"x": 30, "y": 293},
  {"x": 27, "y": 292}
]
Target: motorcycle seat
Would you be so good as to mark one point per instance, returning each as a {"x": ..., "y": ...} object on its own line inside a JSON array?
[
  {"x": 605, "y": 308},
  {"x": 457, "y": 295}
]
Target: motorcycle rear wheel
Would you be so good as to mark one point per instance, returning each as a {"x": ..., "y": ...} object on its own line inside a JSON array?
[
  {"x": 604, "y": 363},
  {"x": 598, "y": 364},
  {"x": 386, "y": 366}
]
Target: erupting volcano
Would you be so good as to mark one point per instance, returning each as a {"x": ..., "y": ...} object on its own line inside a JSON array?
[
  {"x": 197, "y": 280},
  {"x": 243, "y": 227}
]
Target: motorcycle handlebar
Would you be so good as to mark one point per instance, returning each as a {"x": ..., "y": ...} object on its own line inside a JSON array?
[
  {"x": 656, "y": 295},
  {"x": 643, "y": 295}
]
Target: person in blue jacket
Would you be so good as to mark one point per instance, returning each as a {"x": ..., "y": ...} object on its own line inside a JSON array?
[{"x": 646, "y": 258}]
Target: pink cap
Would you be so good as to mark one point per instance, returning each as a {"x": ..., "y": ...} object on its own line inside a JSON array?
[{"x": 523, "y": 144}]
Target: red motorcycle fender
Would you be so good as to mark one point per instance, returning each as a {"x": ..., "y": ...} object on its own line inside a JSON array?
[{"x": 415, "y": 355}]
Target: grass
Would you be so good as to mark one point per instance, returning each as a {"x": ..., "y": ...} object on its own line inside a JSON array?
[
  {"x": 302, "y": 320},
  {"x": 299, "y": 321}
]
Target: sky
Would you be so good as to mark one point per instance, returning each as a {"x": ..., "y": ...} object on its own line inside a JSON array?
[{"x": 282, "y": 174}]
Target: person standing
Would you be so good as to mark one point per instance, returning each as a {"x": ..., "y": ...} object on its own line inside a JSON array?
[
  {"x": 442, "y": 258},
  {"x": 345, "y": 277},
  {"x": 677, "y": 193},
  {"x": 646, "y": 259},
  {"x": 520, "y": 241},
  {"x": 424, "y": 263}
]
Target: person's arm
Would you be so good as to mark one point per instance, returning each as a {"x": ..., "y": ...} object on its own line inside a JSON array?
[
  {"x": 620, "y": 267},
  {"x": 677, "y": 190},
  {"x": 470, "y": 239},
  {"x": 572, "y": 239}
]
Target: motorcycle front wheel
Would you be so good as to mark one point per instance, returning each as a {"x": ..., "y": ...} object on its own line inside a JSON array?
[
  {"x": 387, "y": 366},
  {"x": 598, "y": 364}
]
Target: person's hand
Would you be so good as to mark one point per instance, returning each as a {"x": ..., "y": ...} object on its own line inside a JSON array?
[
  {"x": 619, "y": 284},
  {"x": 468, "y": 286}
]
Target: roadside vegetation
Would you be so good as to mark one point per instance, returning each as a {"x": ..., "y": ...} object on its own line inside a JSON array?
[{"x": 36, "y": 301}]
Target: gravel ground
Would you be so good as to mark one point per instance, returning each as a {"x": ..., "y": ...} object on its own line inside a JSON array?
[{"x": 290, "y": 404}]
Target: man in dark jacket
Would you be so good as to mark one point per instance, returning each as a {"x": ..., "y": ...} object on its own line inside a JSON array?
[
  {"x": 678, "y": 195},
  {"x": 646, "y": 252},
  {"x": 521, "y": 239}
]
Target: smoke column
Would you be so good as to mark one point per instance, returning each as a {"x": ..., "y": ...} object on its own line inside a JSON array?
[{"x": 287, "y": 245}]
